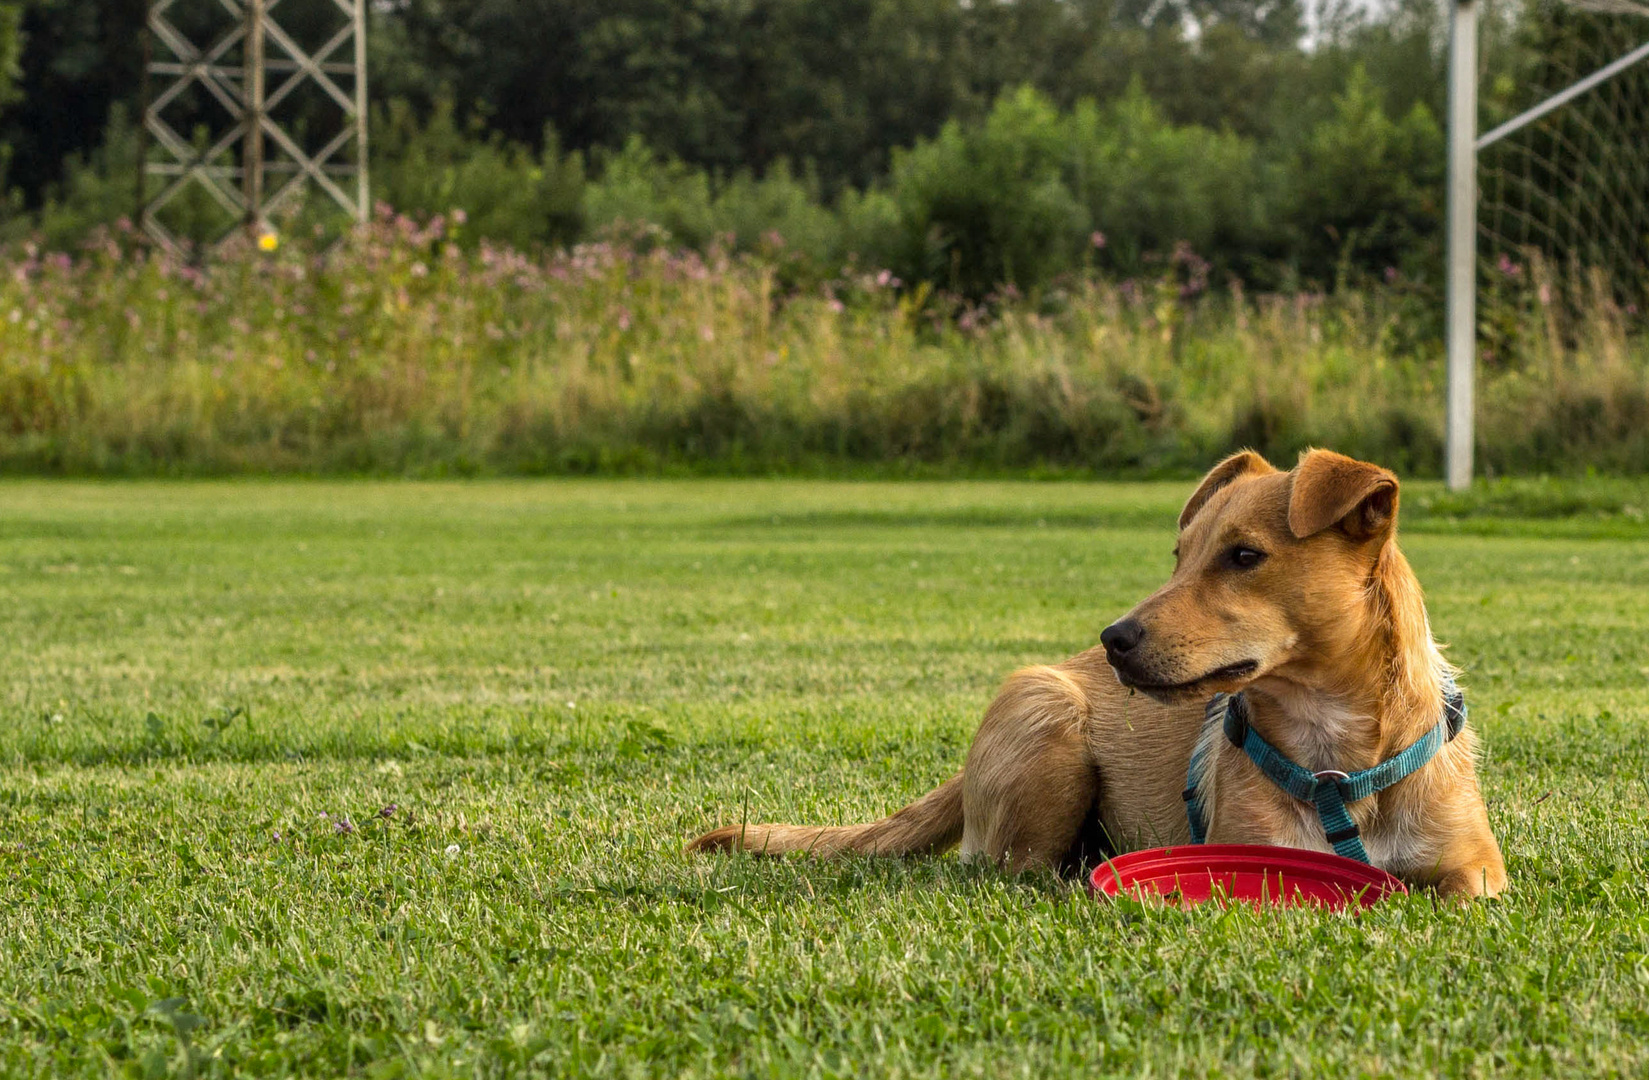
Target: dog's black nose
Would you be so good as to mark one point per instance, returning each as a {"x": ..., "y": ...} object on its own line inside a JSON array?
[{"x": 1121, "y": 637}]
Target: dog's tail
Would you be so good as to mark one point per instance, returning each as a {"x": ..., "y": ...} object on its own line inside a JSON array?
[{"x": 931, "y": 823}]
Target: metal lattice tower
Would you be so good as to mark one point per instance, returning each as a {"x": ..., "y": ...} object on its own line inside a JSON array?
[{"x": 252, "y": 165}]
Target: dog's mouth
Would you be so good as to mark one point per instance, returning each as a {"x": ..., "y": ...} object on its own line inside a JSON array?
[{"x": 1179, "y": 691}]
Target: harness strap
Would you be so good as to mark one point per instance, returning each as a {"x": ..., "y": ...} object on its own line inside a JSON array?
[
  {"x": 1192, "y": 795},
  {"x": 1329, "y": 789}
]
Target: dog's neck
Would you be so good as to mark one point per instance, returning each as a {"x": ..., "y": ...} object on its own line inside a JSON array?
[{"x": 1385, "y": 693}]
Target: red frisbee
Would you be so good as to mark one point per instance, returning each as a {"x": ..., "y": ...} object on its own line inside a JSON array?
[{"x": 1192, "y": 874}]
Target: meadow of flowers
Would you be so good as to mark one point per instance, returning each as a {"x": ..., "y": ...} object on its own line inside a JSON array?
[{"x": 405, "y": 351}]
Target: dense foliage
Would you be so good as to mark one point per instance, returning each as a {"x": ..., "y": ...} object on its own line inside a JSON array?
[{"x": 964, "y": 145}]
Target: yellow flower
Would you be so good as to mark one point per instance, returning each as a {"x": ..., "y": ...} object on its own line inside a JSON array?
[{"x": 268, "y": 241}]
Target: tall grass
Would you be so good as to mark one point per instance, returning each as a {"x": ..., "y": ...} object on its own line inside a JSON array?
[{"x": 404, "y": 352}]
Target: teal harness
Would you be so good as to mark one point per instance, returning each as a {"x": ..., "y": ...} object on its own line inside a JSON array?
[{"x": 1329, "y": 790}]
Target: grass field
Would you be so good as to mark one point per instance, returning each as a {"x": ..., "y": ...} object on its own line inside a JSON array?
[{"x": 391, "y": 779}]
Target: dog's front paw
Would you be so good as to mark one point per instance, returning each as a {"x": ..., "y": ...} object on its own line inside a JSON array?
[{"x": 1472, "y": 882}]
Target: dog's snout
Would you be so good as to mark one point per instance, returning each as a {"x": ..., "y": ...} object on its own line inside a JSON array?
[{"x": 1122, "y": 636}]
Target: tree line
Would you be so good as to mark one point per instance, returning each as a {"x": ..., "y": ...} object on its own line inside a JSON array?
[{"x": 964, "y": 145}]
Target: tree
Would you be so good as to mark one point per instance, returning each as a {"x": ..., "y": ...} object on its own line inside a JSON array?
[
  {"x": 76, "y": 59},
  {"x": 11, "y": 50}
]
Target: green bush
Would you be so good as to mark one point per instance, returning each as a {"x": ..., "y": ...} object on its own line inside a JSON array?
[
  {"x": 1020, "y": 197},
  {"x": 980, "y": 206},
  {"x": 781, "y": 215},
  {"x": 1150, "y": 186},
  {"x": 99, "y": 191},
  {"x": 510, "y": 195},
  {"x": 778, "y": 214},
  {"x": 633, "y": 187},
  {"x": 1365, "y": 189}
]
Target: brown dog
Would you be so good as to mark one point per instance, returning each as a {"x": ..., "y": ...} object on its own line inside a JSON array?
[{"x": 1287, "y": 586}]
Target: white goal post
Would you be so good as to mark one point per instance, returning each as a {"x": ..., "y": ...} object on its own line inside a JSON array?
[{"x": 1464, "y": 144}]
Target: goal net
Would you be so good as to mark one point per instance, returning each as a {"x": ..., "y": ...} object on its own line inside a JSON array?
[{"x": 1567, "y": 195}]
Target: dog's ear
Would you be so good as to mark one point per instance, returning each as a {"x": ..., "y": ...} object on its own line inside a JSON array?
[
  {"x": 1241, "y": 463},
  {"x": 1332, "y": 490}
]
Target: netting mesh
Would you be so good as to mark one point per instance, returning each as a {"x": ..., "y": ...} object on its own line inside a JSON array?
[{"x": 1571, "y": 189}]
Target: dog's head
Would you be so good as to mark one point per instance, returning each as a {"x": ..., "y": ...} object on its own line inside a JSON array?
[{"x": 1272, "y": 575}]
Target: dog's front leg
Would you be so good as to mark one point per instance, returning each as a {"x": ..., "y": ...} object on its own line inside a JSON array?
[
  {"x": 1469, "y": 863},
  {"x": 1472, "y": 868}
]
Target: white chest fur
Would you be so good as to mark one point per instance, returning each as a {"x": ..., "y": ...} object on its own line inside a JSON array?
[{"x": 1320, "y": 725}]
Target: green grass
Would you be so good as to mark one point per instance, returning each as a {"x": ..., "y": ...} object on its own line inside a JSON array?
[{"x": 556, "y": 683}]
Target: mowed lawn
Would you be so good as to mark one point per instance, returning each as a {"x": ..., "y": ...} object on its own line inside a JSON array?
[{"x": 392, "y": 779}]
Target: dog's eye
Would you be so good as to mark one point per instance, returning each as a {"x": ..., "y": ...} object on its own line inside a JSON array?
[{"x": 1244, "y": 558}]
